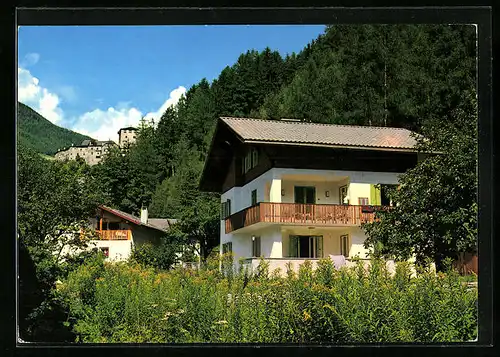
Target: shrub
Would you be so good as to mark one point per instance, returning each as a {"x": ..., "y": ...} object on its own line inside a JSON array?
[
  {"x": 130, "y": 303},
  {"x": 160, "y": 256}
]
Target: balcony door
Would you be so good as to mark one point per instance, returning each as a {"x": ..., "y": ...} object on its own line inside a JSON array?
[
  {"x": 305, "y": 196},
  {"x": 306, "y": 246}
]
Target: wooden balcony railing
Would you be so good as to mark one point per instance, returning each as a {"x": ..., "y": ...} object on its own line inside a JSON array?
[
  {"x": 119, "y": 234},
  {"x": 297, "y": 213}
]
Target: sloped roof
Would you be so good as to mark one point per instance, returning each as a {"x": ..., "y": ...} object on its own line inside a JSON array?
[
  {"x": 103, "y": 142},
  {"x": 297, "y": 132},
  {"x": 162, "y": 224},
  {"x": 86, "y": 142}
]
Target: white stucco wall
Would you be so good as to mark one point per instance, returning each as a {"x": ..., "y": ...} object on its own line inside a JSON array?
[
  {"x": 277, "y": 179},
  {"x": 269, "y": 189},
  {"x": 356, "y": 239},
  {"x": 118, "y": 250}
]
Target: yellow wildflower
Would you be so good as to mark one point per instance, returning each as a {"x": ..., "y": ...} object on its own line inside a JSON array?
[{"x": 307, "y": 317}]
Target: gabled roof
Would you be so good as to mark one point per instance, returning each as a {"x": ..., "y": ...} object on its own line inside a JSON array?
[
  {"x": 160, "y": 224},
  {"x": 230, "y": 133},
  {"x": 297, "y": 132}
]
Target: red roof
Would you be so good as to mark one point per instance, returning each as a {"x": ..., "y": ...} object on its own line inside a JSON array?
[{"x": 160, "y": 224}]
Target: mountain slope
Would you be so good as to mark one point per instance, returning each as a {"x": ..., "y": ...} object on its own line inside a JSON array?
[{"x": 39, "y": 134}]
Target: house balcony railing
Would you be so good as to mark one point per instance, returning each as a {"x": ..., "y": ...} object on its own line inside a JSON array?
[
  {"x": 118, "y": 234},
  {"x": 301, "y": 214}
]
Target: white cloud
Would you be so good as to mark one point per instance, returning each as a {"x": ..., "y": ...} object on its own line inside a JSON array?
[
  {"x": 98, "y": 124},
  {"x": 40, "y": 99},
  {"x": 175, "y": 95},
  {"x": 104, "y": 124},
  {"x": 30, "y": 59}
]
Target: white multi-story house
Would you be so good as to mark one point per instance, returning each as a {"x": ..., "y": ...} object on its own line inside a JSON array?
[{"x": 295, "y": 191}]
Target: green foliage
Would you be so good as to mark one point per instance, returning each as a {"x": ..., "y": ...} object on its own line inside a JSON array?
[
  {"x": 54, "y": 200},
  {"x": 385, "y": 75},
  {"x": 436, "y": 206},
  {"x": 132, "y": 304},
  {"x": 159, "y": 256},
  {"x": 37, "y": 133}
]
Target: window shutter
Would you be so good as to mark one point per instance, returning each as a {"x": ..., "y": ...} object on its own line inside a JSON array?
[
  {"x": 293, "y": 251},
  {"x": 254, "y": 197},
  {"x": 375, "y": 195},
  {"x": 319, "y": 247},
  {"x": 228, "y": 208},
  {"x": 223, "y": 210},
  {"x": 255, "y": 157},
  {"x": 256, "y": 247}
]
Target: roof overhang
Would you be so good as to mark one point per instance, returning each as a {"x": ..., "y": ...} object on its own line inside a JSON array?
[
  {"x": 371, "y": 148},
  {"x": 130, "y": 218},
  {"x": 224, "y": 142},
  {"x": 220, "y": 153}
]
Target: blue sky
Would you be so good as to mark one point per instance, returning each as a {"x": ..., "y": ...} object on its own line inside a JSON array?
[{"x": 96, "y": 79}]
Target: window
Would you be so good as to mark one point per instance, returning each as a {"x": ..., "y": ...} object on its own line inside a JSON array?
[
  {"x": 255, "y": 158},
  {"x": 225, "y": 209},
  {"x": 227, "y": 248},
  {"x": 344, "y": 239},
  {"x": 250, "y": 160},
  {"x": 363, "y": 201},
  {"x": 255, "y": 246},
  {"x": 305, "y": 194},
  {"x": 343, "y": 195},
  {"x": 254, "y": 197},
  {"x": 113, "y": 225},
  {"x": 306, "y": 247}
]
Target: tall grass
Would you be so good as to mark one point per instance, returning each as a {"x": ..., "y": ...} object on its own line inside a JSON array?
[{"x": 126, "y": 303}]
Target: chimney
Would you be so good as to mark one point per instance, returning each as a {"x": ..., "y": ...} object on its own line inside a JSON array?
[{"x": 144, "y": 215}]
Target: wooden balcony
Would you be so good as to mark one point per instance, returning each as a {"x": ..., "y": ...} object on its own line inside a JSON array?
[
  {"x": 302, "y": 214},
  {"x": 119, "y": 234}
]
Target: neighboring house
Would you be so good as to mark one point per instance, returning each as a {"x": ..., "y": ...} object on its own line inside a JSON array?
[
  {"x": 120, "y": 231},
  {"x": 92, "y": 151},
  {"x": 127, "y": 136},
  {"x": 295, "y": 191}
]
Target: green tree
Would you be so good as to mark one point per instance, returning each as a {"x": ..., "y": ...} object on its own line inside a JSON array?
[
  {"x": 179, "y": 197},
  {"x": 435, "y": 213},
  {"x": 54, "y": 201}
]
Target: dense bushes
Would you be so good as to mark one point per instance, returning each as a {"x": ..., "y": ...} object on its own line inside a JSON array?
[
  {"x": 162, "y": 256},
  {"x": 126, "y": 303}
]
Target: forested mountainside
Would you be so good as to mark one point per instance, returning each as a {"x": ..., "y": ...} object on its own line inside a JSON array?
[{"x": 39, "y": 134}]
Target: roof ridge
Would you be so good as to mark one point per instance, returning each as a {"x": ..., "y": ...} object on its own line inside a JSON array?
[{"x": 312, "y": 123}]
